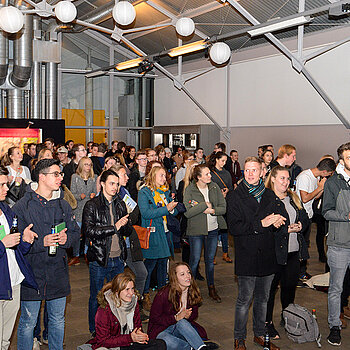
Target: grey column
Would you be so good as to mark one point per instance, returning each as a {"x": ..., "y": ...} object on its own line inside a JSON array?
[
  {"x": 15, "y": 104},
  {"x": 51, "y": 73}
]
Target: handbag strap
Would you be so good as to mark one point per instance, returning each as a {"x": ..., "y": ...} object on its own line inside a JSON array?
[{"x": 220, "y": 178}]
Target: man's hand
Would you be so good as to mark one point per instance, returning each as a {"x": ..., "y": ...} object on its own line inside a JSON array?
[
  {"x": 11, "y": 240},
  {"x": 122, "y": 222},
  {"x": 29, "y": 235},
  {"x": 51, "y": 239},
  {"x": 138, "y": 336},
  {"x": 62, "y": 237},
  {"x": 321, "y": 183},
  {"x": 273, "y": 219}
]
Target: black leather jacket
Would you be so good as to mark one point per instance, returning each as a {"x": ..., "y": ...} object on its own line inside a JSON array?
[{"x": 97, "y": 227}]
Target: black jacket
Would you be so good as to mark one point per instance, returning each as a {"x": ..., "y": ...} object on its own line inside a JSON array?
[
  {"x": 282, "y": 236},
  {"x": 254, "y": 244},
  {"x": 50, "y": 272},
  {"x": 97, "y": 227},
  {"x": 134, "y": 177},
  {"x": 68, "y": 171}
]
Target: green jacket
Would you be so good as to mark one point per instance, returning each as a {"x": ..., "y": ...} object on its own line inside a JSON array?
[{"x": 197, "y": 220}]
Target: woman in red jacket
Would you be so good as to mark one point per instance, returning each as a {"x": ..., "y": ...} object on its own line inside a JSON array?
[
  {"x": 174, "y": 311},
  {"x": 117, "y": 320}
]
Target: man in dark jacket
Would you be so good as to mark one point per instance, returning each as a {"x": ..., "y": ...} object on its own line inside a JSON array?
[
  {"x": 14, "y": 269},
  {"x": 105, "y": 223},
  {"x": 252, "y": 218},
  {"x": 336, "y": 209},
  {"x": 137, "y": 173},
  {"x": 43, "y": 207}
]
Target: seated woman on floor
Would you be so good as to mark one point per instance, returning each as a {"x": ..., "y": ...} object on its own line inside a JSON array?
[
  {"x": 118, "y": 322},
  {"x": 174, "y": 311}
]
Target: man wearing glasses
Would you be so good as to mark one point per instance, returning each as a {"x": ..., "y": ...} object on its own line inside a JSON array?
[
  {"x": 137, "y": 173},
  {"x": 79, "y": 152},
  {"x": 43, "y": 207}
]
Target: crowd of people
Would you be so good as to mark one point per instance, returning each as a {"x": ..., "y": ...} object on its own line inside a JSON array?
[{"x": 93, "y": 204}]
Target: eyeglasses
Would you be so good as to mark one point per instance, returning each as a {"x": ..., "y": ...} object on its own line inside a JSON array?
[
  {"x": 55, "y": 173},
  {"x": 143, "y": 159}
]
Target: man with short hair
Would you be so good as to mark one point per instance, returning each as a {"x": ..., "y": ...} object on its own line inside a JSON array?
[
  {"x": 50, "y": 144},
  {"x": 15, "y": 268},
  {"x": 98, "y": 160},
  {"x": 89, "y": 147},
  {"x": 113, "y": 151},
  {"x": 62, "y": 155},
  {"x": 336, "y": 209},
  {"x": 287, "y": 154},
  {"x": 43, "y": 206},
  {"x": 199, "y": 155},
  {"x": 79, "y": 152},
  {"x": 137, "y": 173},
  {"x": 235, "y": 169},
  {"x": 252, "y": 215},
  {"x": 27, "y": 157},
  {"x": 105, "y": 223},
  {"x": 309, "y": 186}
]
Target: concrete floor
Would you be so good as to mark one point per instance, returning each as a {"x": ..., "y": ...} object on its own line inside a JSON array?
[{"x": 216, "y": 318}]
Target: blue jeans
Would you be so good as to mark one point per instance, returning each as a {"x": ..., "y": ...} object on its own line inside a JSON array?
[
  {"x": 27, "y": 321},
  {"x": 98, "y": 274},
  {"x": 76, "y": 244},
  {"x": 223, "y": 236},
  {"x": 338, "y": 261},
  {"x": 181, "y": 335},
  {"x": 150, "y": 264},
  {"x": 210, "y": 243},
  {"x": 249, "y": 286},
  {"x": 37, "y": 329}
]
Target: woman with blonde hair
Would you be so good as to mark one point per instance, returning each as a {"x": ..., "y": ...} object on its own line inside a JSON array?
[
  {"x": 83, "y": 188},
  {"x": 155, "y": 205},
  {"x": 290, "y": 243},
  {"x": 174, "y": 311},
  {"x": 118, "y": 322}
]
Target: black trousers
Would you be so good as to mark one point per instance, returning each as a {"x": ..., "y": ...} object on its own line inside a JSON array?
[
  {"x": 287, "y": 276},
  {"x": 153, "y": 344},
  {"x": 320, "y": 222}
]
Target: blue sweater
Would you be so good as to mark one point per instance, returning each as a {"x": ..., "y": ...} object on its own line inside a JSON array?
[{"x": 22, "y": 248}]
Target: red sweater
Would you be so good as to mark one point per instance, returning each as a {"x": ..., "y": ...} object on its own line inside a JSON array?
[
  {"x": 162, "y": 315},
  {"x": 108, "y": 332}
]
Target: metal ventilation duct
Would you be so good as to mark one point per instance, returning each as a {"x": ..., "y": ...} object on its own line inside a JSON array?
[{"x": 23, "y": 54}]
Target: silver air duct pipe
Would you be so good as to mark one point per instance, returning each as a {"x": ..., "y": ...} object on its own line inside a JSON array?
[
  {"x": 4, "y": 51},
  {"x": 23, "y": 53},
  {"x": 97, "y": 16},
  {"x": 51, "y": 75},
  {"x": 15, "y": 104},
  {"x": 35, "y": 85}
]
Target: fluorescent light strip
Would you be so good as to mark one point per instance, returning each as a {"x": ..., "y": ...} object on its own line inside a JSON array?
[
  {"x": 129, "y": 64},
  {"x": 182, "y": 50},
  {"x": 278, "y": 26}
]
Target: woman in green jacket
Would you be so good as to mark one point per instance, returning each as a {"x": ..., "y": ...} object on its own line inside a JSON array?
[{"x": 205, "y": 205}]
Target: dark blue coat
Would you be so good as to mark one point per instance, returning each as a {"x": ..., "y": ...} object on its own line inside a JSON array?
[
  {"x": 51, "y": 273},
  {"x": 22, "y": 248}
]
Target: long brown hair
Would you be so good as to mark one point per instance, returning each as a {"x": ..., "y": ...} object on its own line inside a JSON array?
[
  {"x": 189, "y": 172},
  {"x": 6, "y": 160},
  {"x": 118, "y": 284},
  {"x": 194, "y": 295},
  {"x": 269, "y": 184}
]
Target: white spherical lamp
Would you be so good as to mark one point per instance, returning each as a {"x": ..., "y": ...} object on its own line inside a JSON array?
[
  {"x": 65, "y": 11},
  {"x": 220, "y": 53},
  {"x": 185, "y": 26},
  {"x": 11, "y": 19},
  {"x": 124, "y": 13}
]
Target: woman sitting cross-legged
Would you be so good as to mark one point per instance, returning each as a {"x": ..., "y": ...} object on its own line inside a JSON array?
[
  {"x": 117, "y": 321},
  {"x": 174, "y": 311}
]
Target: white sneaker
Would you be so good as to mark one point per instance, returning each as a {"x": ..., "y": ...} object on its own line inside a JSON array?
[{"x": 36, "y": 344}]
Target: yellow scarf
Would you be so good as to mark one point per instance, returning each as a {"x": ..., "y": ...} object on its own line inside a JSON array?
[{"x": 159, "y": 197}]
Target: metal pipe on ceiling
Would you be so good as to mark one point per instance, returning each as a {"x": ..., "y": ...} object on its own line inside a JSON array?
[
  {"x": 23, "y": 53},
  {"x": 15, "y": 104},
  {"x": 4, "y": 49},
  {"x": 51, "y": 75}
]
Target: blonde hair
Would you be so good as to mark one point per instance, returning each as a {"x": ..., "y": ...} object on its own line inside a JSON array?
[
  {"x": 150, "y": 180},
  {"x": 81, "y": 167},
  {"x": 269, "y": 184},
  {"x": 189, "y": 173}
]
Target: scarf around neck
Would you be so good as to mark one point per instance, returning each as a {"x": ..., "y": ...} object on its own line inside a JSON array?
[
  {"x": 160, "y": 198},
  {"x": 255, "y": 190},
  {"x": 124, "y": 313}
]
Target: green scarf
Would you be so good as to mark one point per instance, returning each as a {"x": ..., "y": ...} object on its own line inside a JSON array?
[{"x": 256, "y": 190}]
